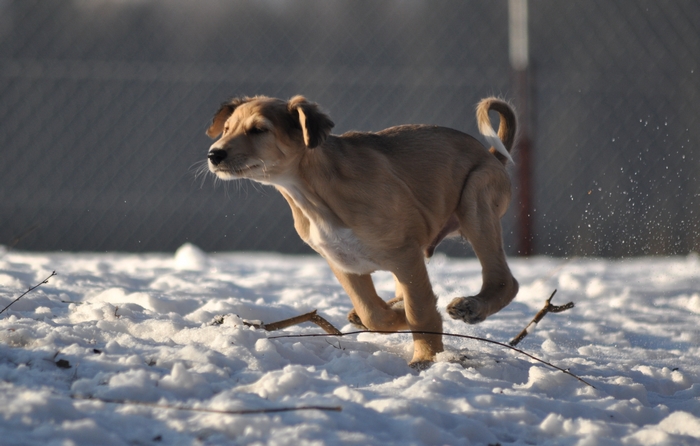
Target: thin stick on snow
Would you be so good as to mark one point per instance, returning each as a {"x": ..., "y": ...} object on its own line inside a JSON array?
[
  {"x": 455, "y": 335},
  {"x": 29, "y": 290},
  {"x": 195, "y": 409},
  {"x": 548, "y": 308},
  {"x": 296, "y": 320}
]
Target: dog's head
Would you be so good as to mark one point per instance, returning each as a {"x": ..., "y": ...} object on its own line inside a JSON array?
[{"x": 263, "y": 138}]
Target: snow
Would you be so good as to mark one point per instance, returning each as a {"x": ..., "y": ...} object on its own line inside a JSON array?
[{"x": 168, "y": 330}]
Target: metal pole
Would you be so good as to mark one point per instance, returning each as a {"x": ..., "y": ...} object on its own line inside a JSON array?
[{"x": 521, "y": 77}]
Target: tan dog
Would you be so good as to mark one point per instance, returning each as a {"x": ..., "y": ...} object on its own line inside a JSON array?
[{"x": 381, "y": 201}]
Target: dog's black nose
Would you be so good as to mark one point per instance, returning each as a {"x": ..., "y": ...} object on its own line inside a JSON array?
[{"x": 216, "y": 156}]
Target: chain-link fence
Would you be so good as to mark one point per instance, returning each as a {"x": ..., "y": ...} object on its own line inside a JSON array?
[{"x": 104, "y": 103}]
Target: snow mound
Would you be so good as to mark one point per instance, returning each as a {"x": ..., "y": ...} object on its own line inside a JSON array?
[{"x": 189, "y": 257}]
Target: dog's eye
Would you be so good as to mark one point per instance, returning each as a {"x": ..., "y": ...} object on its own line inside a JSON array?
[{"x": 256, "y": 130}]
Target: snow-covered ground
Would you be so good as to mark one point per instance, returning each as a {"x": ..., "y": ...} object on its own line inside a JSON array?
[{"x": 149, "y": 328}]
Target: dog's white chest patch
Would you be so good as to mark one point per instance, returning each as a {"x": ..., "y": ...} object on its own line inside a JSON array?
[
  {"x": 341, "y": 247},
  {"x": 338, "y": 245}
]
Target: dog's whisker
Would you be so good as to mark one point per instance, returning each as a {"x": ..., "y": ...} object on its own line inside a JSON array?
[{"x": 200, "y": 172}]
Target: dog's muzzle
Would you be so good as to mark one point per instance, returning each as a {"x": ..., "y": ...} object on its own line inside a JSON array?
[{"x": 216, "y": 156}]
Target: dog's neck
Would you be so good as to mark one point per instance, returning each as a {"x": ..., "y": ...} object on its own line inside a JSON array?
[
  {"x": 306, "y": 198},
  {"x": 301, "y": 184}
]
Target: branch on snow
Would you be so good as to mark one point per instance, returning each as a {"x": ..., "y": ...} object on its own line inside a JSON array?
[
  {"x": 307, "y": 317},
  {"x": 548, "y": 308},
  {"x": 455, "y": 335},
  {"x": 195, "y": 409},
  {"x": 29, "y": 290}
]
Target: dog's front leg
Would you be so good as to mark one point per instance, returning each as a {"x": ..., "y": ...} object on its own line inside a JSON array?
[
  {"x": 413, "y": 284},
  {"x": 395, "y": 303},
  {"x": 374, "y": 313}
]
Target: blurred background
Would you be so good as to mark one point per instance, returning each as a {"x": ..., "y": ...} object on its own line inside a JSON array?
[{"x": 104, "y": 104}]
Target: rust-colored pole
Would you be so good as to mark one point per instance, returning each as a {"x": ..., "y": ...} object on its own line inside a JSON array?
[{"x": 521, "y": 81}]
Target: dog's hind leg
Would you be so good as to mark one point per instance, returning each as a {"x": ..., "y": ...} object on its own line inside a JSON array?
[{"x": 484, "y": 201}]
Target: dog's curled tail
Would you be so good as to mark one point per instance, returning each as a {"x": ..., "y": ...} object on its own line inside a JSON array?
[{"x": 501, "y": 143}]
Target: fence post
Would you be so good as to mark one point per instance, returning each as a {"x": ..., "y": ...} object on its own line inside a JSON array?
[{"x": 521, "y": 78}]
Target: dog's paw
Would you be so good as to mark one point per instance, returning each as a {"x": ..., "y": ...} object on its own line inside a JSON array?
[
  {"x": 355, "y": 320},
  {"x": 420, "y": 365},
  {"x": 468, "y": 309},
  {"x": 397, "y": 304}
]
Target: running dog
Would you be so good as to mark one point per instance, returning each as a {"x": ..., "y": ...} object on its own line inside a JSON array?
[{"x": 381, "y": 201}]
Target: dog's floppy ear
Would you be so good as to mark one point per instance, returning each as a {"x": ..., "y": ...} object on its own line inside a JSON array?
[
  {"x": 220, "y": 117},
  {"x": 315, "y": 124}
]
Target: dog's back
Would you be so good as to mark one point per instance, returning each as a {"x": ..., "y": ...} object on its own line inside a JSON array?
[{"x": 422, "y": 157}]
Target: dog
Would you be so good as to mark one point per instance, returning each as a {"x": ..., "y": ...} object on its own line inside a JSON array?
[{"x": 381, "y": 201}]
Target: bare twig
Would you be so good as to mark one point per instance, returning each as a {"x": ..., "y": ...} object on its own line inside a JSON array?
[
  {"x": 338, "y": 347},
  {"x": 194, "y": 409},
  {"x": 29, "y": 290},
  {"x": 475, "y": 338},
  {"x": 324, "y": 324},
  {"x": 548, "y": 308},
  {"x": 307, "y": 317}
]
